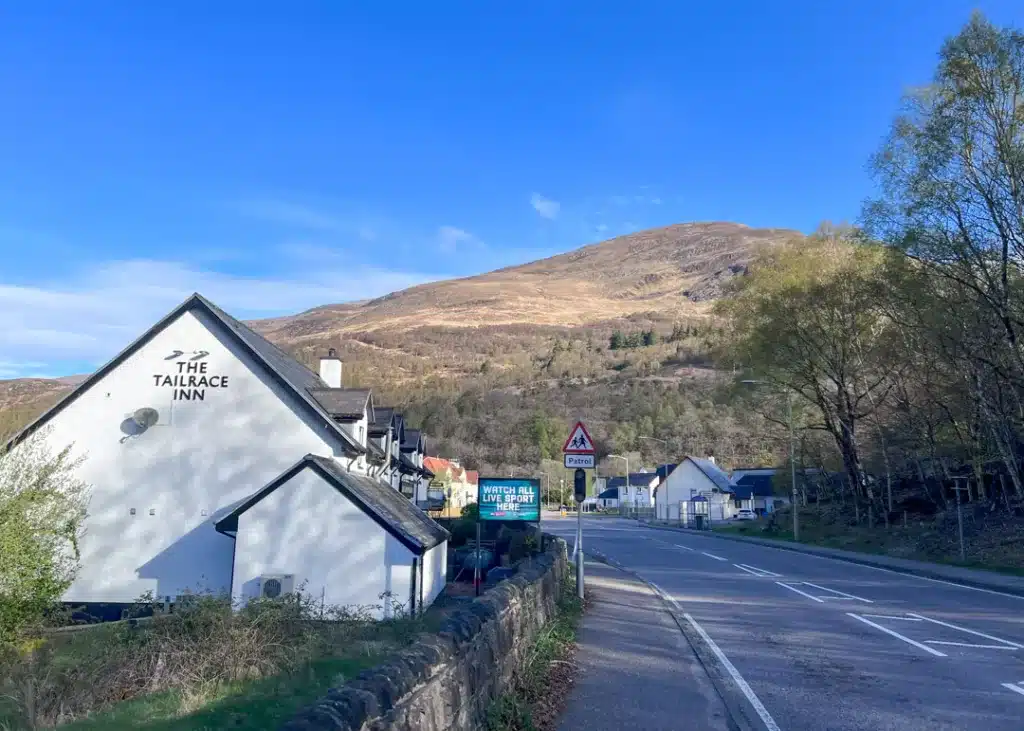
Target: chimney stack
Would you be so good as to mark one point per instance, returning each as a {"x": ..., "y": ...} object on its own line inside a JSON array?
[
  {"x": 711, "y": 458},
  {"x": 330, "y": 369}
]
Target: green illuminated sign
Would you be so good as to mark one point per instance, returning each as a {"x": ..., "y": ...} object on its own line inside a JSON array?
[{"x": 509, "y": 498}]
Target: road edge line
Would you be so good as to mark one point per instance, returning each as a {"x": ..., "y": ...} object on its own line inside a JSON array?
[{"x": 737, "y": 705}]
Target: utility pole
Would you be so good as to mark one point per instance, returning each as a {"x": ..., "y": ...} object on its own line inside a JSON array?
[
  {"x": 960, "y": 516},
  {"x": 792, "y": 456},
  {"x": 662, "y": 441},
  {"x": 616, "y": 456}
]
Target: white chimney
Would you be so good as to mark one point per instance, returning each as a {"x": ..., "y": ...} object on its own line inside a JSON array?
[
  {"x": 711, "y": 457},
  {"x": 330, "y": 369}
]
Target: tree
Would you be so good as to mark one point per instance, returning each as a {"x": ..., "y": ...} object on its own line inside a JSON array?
[
  {"x": 650, "y": 338},
  {"x": 616, "y": 341},
  {"x": 42, "y": 509},
  {"x": 809, "y": 320},
  {"x": 634, "y": 340}
]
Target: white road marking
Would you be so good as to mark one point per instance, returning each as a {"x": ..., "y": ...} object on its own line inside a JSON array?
[
  {"x": 968, "y": 644},
  {"x": 886, "y": 616},
  {"x": 804, "y": 593},
  {"x": 685, "y": 548},
  {"x": 759, "y": 571},
  {"x": 897, "y": 635},
  {"x": 711, "y": 555},
  {"x": 968, "y": 631},
  {"x": 1015, "y": 687},
  {"x": 840, "y": 593},
  {"x": 737, "y": 678}
]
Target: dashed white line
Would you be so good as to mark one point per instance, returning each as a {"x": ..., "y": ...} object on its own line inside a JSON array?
[
  {"x": 840, "y": 593},
  {"x": 735, "y": 675},
  {"x": 763, "y": 572},
  {"x": 888, "y": 616},
  {"x": 804, "y": 593},
  {"x": 685, "y": 548},
  {"x": 1015, "y": 687},
  {"x": 711, "y": 555},
  {"x": 968, "y": 631},
  {"x": 897, "y": 635}
]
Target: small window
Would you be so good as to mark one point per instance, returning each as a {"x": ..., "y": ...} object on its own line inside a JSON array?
[
  {"x": 152, "y": 511},
  {"x": 132, "y": 511}
]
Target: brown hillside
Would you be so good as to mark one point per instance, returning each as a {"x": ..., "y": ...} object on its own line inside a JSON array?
[
  {"x": 506, "y": 320},
  {"x": 673, "y": 270}
]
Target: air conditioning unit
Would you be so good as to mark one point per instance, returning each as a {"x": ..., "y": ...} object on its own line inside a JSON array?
[{"x": 273, "y": 586}]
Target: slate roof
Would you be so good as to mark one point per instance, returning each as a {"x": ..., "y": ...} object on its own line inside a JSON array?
[
  {"x": 636, "y": 479},
  {"x": 385, "y": 505},
  {"x": 664, "y": 470},
  {"x": 342, "y": 403},
  {"x": 411, "y": 442},
  {"x": 405, "y": 465},
  {"x": 755, "y": 485},
  {"x": 611, "y": 493},
  {"x": 383, "y": 419},
  {"x": 714, "y": 473},
  {"x": 276, "y": 363}
]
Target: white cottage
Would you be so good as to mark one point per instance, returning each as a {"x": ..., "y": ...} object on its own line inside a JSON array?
[
  {"x": 194, "y": 420},
  {"x": 694, "y": 481}
]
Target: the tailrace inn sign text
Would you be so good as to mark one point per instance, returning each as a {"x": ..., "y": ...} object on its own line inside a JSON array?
[
  {"x": 189, "y": 378},
  {"x": 506, "y": 498}
]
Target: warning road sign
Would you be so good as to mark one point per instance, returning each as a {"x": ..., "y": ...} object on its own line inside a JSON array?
[{"x": 579, "y": 441}]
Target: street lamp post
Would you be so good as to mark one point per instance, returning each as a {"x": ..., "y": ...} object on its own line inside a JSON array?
[
  {"x": 626, "y": 459},
  {"x": 662, "y": 441},
  {"x": 792, "y": 455}
]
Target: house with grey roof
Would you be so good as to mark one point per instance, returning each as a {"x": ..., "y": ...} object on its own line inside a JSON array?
[
  {"x": 637, "y": 492},
  {"x": 756, "y": 489},
  {"x": 696, "y": 486},
  {"x": 195, "y": 419}
]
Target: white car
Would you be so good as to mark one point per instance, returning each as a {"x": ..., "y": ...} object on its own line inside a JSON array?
[{"x": 746, "y": 514}]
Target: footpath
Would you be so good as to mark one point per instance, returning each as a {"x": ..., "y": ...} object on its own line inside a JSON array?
[
  {"x": 977, "y": 578},
  {"x": 637, "y": 668}
]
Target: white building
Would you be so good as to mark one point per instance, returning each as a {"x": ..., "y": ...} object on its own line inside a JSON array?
[
  {"x": 202, "y": 419},
  {"x": 696, "y": 486}
]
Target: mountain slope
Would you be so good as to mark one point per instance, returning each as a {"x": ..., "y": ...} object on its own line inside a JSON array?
[
  {"x": 506, "y": 321},
  {"x": 673, "y": 270}
]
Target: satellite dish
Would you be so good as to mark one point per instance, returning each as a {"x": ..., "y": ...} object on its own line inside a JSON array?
[{"x": 146, "y": 417}]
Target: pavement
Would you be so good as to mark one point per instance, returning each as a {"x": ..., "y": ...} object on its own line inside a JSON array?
[
  {"x": 790, "y": 641},
  {"x": 637, "y": 670}
]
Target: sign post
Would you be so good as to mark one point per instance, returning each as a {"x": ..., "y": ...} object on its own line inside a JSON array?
[{"x": 579, "y": 455}]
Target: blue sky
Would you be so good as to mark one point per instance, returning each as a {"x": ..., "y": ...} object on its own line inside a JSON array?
[{"x": 277, "y": 156}]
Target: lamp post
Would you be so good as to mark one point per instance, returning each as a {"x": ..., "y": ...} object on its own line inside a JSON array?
[
  {"x": 662, "y": 441},
  {"x": 626, "y": 459},
  {"x": 792, "y": 454}
]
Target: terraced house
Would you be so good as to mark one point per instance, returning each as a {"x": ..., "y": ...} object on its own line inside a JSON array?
[{"x": 217, "y": 462}]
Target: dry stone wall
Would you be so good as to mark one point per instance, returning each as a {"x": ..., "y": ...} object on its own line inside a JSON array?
[{"x": 447, "y": 681}]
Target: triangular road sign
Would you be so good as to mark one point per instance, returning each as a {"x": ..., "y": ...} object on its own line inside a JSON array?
[{"x": 579, "y": 441}]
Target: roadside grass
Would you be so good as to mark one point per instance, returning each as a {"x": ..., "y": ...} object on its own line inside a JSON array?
[
  {"x": 540, "y": 689},
  {"x": 202, "y": 667},
  {"x": 927, "y": 541}
]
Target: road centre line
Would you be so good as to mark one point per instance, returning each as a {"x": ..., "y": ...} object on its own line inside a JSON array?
[
  {"x": 735, "y": 675},
  {"x": 711, "y": 555},
  {"x": 1015, "y": 687},
  {"x": 840, "y": 593},
  {"x": 897, "y": 635},
  {"x": 685, "y": 548},
  {"x": 804, "y": 593},
  {"x": 763, "y": 572},
  {"x": 968, "y": 631}
]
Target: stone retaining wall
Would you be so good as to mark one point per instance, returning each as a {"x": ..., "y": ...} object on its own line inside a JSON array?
[{"x": 447, "y": 681}]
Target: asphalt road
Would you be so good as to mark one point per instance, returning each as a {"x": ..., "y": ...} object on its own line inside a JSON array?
[{"x": 811, "y": 643}]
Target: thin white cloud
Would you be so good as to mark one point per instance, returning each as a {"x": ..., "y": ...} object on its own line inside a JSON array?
[
  {"x": 291, "y": 214},
  {"x": 656, "y": 201},
  {"x": 95, "y": 314},
  {"x": 601, "y": 228},
  {"x": 450, "y": 238},
  {"x": 545, "y": 207}
]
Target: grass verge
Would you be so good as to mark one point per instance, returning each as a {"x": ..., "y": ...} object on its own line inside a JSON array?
[
  {"x": 541, "y": 688},
  {"x": 922, "y": 541}
]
